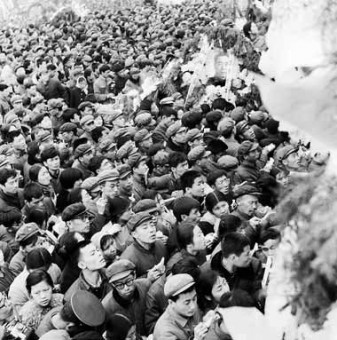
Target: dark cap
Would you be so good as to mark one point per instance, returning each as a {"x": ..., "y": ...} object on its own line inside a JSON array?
[
  {"x": 81, "y": 150},
  {"x": 193, "y": 134},
  {"x": 124, "y": 171},
  {"x": 137, "y": 219},
  {"x": 245, "y": 188},
  {"x": 177, "y": 284},
  {"x": 198, "y": 153},
  {"x": 48, "y": 153},
  {"x": 108, "y": 176},
  {"x": 73, "y": 211},
  {"x": 213, "y": 116},
  {"x": 246, "y": 147},
  {"x": 145, "y": 205},
  {"x": 67, "y": 127},
  {"x": 119, "y": 270},
  {"x": 26, "y": 231},
  {"x": 85, "y": 307}
]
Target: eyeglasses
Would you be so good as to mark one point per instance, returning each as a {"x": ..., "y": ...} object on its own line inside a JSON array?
[{"x": 122, "y": 285}]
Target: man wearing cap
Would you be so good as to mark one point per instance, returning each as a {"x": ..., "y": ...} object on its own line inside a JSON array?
[
  {"x": 194, "y": 138},
  {"x": 182, "y": 319},
  {"x": 101, "y": 85},
  {"x": 91, "y": 262},
  {"x": 143, "y": 140},
  {"x": 246, "y": 196},
  {"x": 252, "y": 161},
  {"x": 109, "y": 183},
  {"x": 49, "y": 86},
  {"x": 88, "y": 124},
  {"x": 27, "y": 237},
  {"x": 227, "y": 129},
  {"x": 146, "y": 252},
  {"x": 83, "y": 155},
  {"x": 82, "y": 314},
  {"x": 90, "y": 194},
  {"x": 138, "y": 163},
  {"x": 128, "y": 297},
  {"x": 17, "y": 141},
  {"x": 76, "y": 218},
  {"x": 125, "y": 182},
  {"x": 176, "y": 138},
  {"x": 200, "y": 159}
]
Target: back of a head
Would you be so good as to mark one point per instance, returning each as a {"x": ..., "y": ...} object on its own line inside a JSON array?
[
  {"x": 183, "y": 206},
  {"x": 236, "y": 298},
  {"x": 234, "y": 243},
  {"x": 38, "y": 258},
  {"x": 176, "y": 158},
  {"x": 69, "y": 176},
  {"x": 187, "y": 265}
]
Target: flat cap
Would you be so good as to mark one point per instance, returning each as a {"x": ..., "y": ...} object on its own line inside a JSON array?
[
  {"x": 119, "y": 270},
  {"x": 108, "y": 176},
  {"x": 124, "y": 171},
  {"x": 167, "y": 101},
  {"x": 242, "y": 126},
  {"x": 55, "y": 103},
  {"x": 193, "y": 134},
  {"x": 135, "y": 158},
  {"x": 81, "y": 150},
  {"x": 228, "y": 162},
  {"x": 174, "y": 128},
  {"x": 67, "y": 127},
  {"x": 145, "y": 205},
  {"x": 107, "y": 144},
  {"x": 125, "y": 150},
  {"x": 160, "y": 158},
  {"x": 87, "y": 119},
  {"x": 238, "y": 114},
  {"x": 10, "y": 118},
  {"x": 83, "y": 105},
  {"x": 16, "y": 99},
  {"x": 246, "y": 147},
  {"x": 142, "y": 135},
  {"x": 177, "y": 284},
  {"x": 26, "y": 231},
  {"x": 137, "y": 219},
  {"x": 257, "y": 117},
  {"x": 143, "y": 119},
  {"x": 45, "y": 135},
  {"x": 87, "y": 308},
  {"x": 90, "y": 183},
  {"x": 191, "y": 119},
  {"x": 198, "y": 153},
  {"x": 73, "y": 211},
  {"x": 245, "y": 188},
  {"x": 226, "y": 124},
  {"x": 213, "y": 116},
  {"x": 6, "y": 149}
]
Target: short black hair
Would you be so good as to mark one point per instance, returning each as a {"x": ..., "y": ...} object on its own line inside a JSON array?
[
  {"x": 187, "y": 179},
  {"x": 176, "y": 158},
  {"x": 234, "y": 243},
  {"x": 32, "y": 190},
  {"x": 104, "y": 68},
  {"x": 214, "y": 175},
  {"x": 185, "y": 233},
  {"x": 5, "y": 174},
  {"x": 36, "y": 277}
]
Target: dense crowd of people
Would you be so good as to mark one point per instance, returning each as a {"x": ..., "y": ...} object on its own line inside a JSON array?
[{"x": 122, "y": 219}]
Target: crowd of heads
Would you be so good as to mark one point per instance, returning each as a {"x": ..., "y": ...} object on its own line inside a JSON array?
[{"x": 126, "y": 212}]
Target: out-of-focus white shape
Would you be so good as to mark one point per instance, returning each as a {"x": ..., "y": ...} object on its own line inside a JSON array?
[
  {"x": 169, "y": 2},
  {"x": 309, "y": 104},
  {"x": 245, "y": 323},
  {"x": 296, "y": 37}
]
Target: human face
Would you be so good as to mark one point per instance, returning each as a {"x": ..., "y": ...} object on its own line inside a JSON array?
[
  {"x": 67, "y": 136},
  {"x": 219, "y": 288},
  {"x": 292, "y": 161},
  {"x": 127, "y": 183},
  {"x": 247, "y": 204},
  {"x": 244, "y": 259},
  {"x": 198, "y": 187},
  {"x": 249, "y": 134},
  {"x": 180, "y": 136},
  {"x": 110, "y": 251},
  {"x": 42, "y": 293},
  {"x": 125, "y": 287},
  {"x": 186, "y": 304},
  {"x": 253, "y": 155},
  {"x": 11, "y": 186},
  {"x": 80, "y": 224},
  {"x": 199, "y": 242},
  {"x": 147, "y": 143},
  {"x": 44, "y": 177},
  {"x": 145, "y": 233},
  {"x": 91, "y": 258},
  {"x": 89, "y": 126},
  {"x": 18, "y": 106},
  {"x": 19, "y": 143},
  {"x": 181, "y": 168},
  {"x": 142, "y": 168},
  {"x": 194, "y": 215},
  {"x": 86, "y": 158},
  {"x": 270, "y": 246},
  {"x": 110, "y": 189},
  {"x": 53, "y": 164},
  {"x": 88, "y": 111},
  {"x": 222, "y": 184},
  {"x": 221, "y": 209}
]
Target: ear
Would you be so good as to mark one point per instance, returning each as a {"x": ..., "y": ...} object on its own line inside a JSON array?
[
  {"x": 81, "y": 265},
  {"x": 170, "y": 302},
  {"x": 184, "y": 217},
  {"x": 232, "y": 257},
  {"x": 134, "y": 233}
]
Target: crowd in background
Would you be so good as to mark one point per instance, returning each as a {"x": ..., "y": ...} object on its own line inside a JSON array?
[{"x": 123, "y": 220}]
